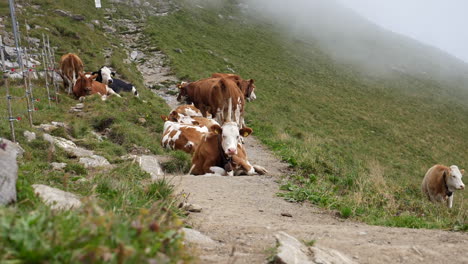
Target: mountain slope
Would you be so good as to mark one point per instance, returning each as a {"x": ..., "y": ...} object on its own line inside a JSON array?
[{"x": 361, "y": 142}]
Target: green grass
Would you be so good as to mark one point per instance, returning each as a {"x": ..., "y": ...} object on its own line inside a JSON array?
[
  {"x": 367, "y": 140},
  {"x": 126, "y": 218}
]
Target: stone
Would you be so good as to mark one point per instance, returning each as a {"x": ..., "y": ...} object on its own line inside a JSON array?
[
  {"x": 9, "y": 151},
  {"x": 79, "y": 106},
  {"x": 56, "y": 198},
  {"x": 94, "y": 161},
  {"x": 133, "y": 55},
  {"x": 71, "y": 147},
  {"x": 58, "y": 166},
  {"x": 290, "y": 250},
  {"x": 47, "y": 127},
  {"x": 141, "y": 120},
  {"x": 61, "y": 13},
  {"x": 194, "y": 208},
  {"x": 324, "y": 255},
  {"x": 286, "y": 214},
  {"x": 179, "y": 50},
  {"x": 151, "y": 165},
  {"x": 30, "y": 136},
  {"x": 78, "y": 17},
  {"x": 196, "y": 237}
]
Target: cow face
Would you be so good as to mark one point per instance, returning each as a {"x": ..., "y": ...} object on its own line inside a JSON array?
[
  {"x": 248, "y": 87},
  {"x": 183, "y": 93},
  {"x": 454, "y": 179},
  {"x": 106, "y": 75},
  {"x": 230, "y": 136},
  {"x": 85, "y": 83}
]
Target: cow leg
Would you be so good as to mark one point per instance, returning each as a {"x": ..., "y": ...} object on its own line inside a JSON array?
[
  {"x": 217, "y": 170},
  {"x": 111, "y": 92},
  {"x": 260, "y": 170},
  {"x": 450, "y": 201},
  {"x": 72, "y": 83}
]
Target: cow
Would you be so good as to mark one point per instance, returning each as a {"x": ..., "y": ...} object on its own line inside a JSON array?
[
  {"x": 70, "y": 68},
  {"x": 185, "y": 110},
  {"x": 212, "y": 96},
  {"x": 104, "y": 75},
  {"x": 247, "y": 86},
  {"x": 440, "y": 182},
  {"x": 185, "y": 137},
  {"x": 87, "y": 85},
  {"x": 220, "y": 151}
]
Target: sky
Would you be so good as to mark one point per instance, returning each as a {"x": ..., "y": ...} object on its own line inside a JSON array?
[{"x": 439, "y": 23}]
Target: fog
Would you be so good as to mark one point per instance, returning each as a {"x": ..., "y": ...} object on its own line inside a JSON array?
[{"x": 442, "y": 24}]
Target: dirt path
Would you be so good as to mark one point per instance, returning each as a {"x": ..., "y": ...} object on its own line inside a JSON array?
[{"x": 242, "y": 214}]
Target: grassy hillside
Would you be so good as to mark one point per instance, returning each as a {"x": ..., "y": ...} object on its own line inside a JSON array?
[
  {"x": 361, "y": 143},
  {"x": 125, "y": 218}
]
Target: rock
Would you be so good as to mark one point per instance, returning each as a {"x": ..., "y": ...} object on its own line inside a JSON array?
[
  {"x": 9, "y": 151},
  {"x": 330, "y": 256},
  {"x": 97, "y": 136},
  {"x": 61, "y": 13},
  {"x": 109, "y": 29},
  {"x": 48, "y": 138},
  {"x": 47, "y": 127},
  {"x": 179, "y": 50},
  {"x": 90, "y": 26},
  {"x": 58, "y": 124},
  {"x": 71, "y": 147},
  {"x": 58, "y": 166},
  {"x": 94, "y": 161},
  {"x": 195, "y": 237},
  {"x": 96, "y": 22},
  {"x": 151, "y": 165},
  {"x": 78, "y": 17},
  {"x": 290, "y": 250},
  {"x": 79, "y": 106},
  {"x": 30, "y": 136},
  {"x": 141, "y": 120},
  {"x": 191, "y": 207},
  {"x": 133, "y": 55},
  {"x": 286, "y": 214},
  {"x": 55, "y": 198}
]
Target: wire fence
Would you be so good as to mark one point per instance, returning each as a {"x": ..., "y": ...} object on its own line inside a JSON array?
[{"x": 25, "y": 69}]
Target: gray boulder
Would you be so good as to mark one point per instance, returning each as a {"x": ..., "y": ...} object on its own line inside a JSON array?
[
  {"x": 9, "y": 151},
  {"x": 55, "y": 198}
]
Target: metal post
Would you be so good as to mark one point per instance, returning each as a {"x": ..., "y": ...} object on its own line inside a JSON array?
[
  {"x": 45, "y": 75},
  {"x": 8, "y": 96},
  {"x": 20, "y": 60},
  {"x": 26, "y": 57},
  {"x": 52, "y": 62}
]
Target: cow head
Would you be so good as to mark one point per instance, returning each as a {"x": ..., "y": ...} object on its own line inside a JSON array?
[
  {"x": 84, "y": 85},
  {"x": 250, "y": 92},
  {"x": 183, "y": 93},
  {"x": 230, "y": 135},
  {"x": 454, "y": 179},
  {"x": 106, "y": 75}
]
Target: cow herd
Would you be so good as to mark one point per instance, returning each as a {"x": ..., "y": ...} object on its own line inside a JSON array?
[
  {"x": 81, "y": 83},
  {"x": 210, "y": 125}
]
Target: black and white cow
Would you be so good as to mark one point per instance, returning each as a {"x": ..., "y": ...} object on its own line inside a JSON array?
[{"x": 105, "y": 76}]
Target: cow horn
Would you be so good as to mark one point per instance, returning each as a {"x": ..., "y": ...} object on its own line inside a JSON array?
[{"x": 229, "y": 110}]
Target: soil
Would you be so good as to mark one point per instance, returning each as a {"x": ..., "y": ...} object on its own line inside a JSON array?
[{"x": 242, "y": 214}]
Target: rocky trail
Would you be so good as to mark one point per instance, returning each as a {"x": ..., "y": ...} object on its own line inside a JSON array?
[{"x": 242, "y": 220}]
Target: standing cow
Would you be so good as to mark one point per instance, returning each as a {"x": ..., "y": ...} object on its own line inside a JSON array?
[
  {"x": 70, "y": 68},
  {"x": 440, "y": 182},
  {"x": 246, "y": 86},
  {"x": 212, "y": 96}
]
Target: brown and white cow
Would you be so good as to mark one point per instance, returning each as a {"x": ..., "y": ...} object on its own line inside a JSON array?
[
  {"x": 184, "y": 110},
  {"x": 440, "y": 182},
  {"x": 212, "y": 96},
  {"x": 178, "y": 136},
  {"x": 87, "y": 86},
  {"x": 70, "y": 68},
  {"x": 221, "y": 153},
  {"x": 247, "y": 86}
]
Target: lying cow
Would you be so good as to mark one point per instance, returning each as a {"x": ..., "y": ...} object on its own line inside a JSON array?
[
  {"x": 87, "y": 86},
  {"x": 70, "y": 68},
  {"x": 247, "y": 86},
  {"x": 185, "y": 137},
  {"x": 440, "y": 182},
  {"x": 212, "y": 96},
  {"x": 104, "y": 75},
  {"x": 185, "y": 110}
]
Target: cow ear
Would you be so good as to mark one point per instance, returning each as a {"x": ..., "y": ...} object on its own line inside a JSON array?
[
  {"x": 462, "y": 171},
  {"x": 245, "y": 132},
  {"x": 251, "y": 81},
  {"x": 94, "y": 73},
  {"x": 216, "y": 129},
  {"x": 113, "y": 74},
  {"x": 94, "y": 76},
  {"x": 164, "y": 118},
  {"x": 173, "y": 115}
]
